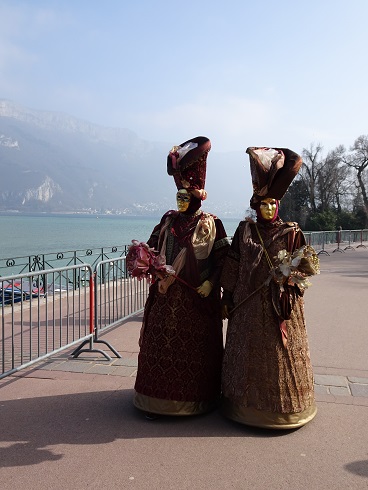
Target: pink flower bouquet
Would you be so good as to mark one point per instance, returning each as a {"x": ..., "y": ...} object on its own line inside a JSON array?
[{"x": 143, "y": 263}]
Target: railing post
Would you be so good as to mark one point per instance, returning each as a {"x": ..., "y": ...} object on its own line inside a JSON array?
[
  {"x": 349, "y": 247},
  {"x": 92, "y": 303},
  {"x": 323, "y": 251},
  {"x": 93, "y": 319},
  {"x": 361, "y": 240},
  {"x": 338, "y": 240}
]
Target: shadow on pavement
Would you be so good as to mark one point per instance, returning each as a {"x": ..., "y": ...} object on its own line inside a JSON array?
[
  {"x": 31, "y": 425},
  {"x": 359, "y": 468}
]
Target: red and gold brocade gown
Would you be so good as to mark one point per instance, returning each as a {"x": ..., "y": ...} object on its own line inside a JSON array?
[{"x": 179, "y": 363}]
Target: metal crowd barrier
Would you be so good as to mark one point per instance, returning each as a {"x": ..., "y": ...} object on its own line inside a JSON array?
[
  {"x": 42, "y": 313},
  {"x": 117, "y": 296},
  {"x": 326, "y": 242},
  {"x": 46, "y": 311}
]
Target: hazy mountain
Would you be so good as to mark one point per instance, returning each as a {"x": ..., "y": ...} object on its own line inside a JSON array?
[{"x": 53, "y": 162}]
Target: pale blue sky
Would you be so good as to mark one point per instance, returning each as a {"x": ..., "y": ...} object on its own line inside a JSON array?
[{"x": 269, "y": 73}]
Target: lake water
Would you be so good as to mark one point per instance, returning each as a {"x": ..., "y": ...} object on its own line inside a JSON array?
[{"x": 22, "y": 235}]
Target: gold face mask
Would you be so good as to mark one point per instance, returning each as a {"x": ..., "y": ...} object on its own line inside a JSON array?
[
  {"x": 183, "y": 200},
  {"x": 268, "y": 208}
]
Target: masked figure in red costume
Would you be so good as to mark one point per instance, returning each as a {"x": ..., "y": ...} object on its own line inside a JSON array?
[
  {"x": 267, "y": 376},
  {"x": 181, "y": 343}
]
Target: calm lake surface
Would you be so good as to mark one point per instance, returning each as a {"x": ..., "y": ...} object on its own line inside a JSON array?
[{"x": 22, "y": 235}]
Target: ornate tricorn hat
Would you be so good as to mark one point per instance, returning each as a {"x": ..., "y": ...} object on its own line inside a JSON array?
[
  {"x": 272, "y": 171},
  {"x": 187, "y": 163}
]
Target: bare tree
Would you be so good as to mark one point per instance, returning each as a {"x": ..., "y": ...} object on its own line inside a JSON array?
[
  {"x": 310, "y": 172},
  {"x": 358, "y": 159},
  {"x": 334, "y": 184},
  {"x": 327, "y": 179},
  {"x": 294, "y": 206},
  {"x": 326, "y": 183}
]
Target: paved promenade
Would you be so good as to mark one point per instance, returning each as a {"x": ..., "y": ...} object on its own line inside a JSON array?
[{"x": 70, "y": 422}]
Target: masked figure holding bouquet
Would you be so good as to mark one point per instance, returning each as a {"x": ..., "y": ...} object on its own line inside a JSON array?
[
  {"x": 181, "y": 342},
  {"x": 267, "y": 376}
]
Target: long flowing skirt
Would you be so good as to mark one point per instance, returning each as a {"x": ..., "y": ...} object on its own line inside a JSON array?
[
  {"x": 179, "y": 364},
  {"x": 264, "y": 383}
]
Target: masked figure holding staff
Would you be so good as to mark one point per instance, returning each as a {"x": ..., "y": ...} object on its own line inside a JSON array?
[
  {"x": 181, "y": 343},
  {"x": 267, "y": 378}
]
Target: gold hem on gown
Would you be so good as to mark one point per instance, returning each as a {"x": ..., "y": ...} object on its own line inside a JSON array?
[
  {"x": 267, "y": 420},
  {"x": 171, "y": 407}
]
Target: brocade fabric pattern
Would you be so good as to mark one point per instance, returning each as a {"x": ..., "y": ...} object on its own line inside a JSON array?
[
  {"x": 182, "y": 345},
  {"x": 258, "y": 371}
]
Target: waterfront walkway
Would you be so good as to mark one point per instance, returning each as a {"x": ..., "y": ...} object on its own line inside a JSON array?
[{"x": 70, "y": 422}]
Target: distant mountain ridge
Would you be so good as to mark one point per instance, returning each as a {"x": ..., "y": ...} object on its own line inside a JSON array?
[{"x": 54, "y": 162}]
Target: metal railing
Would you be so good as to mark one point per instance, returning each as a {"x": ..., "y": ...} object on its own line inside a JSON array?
[
  {"x": 117, "y": 296},
  {"x": 337, "y": 241},
  {"x": 320, "y": 240},
  {"x": 39, "y": 262},
  {"x": 44, "y": 312}
]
